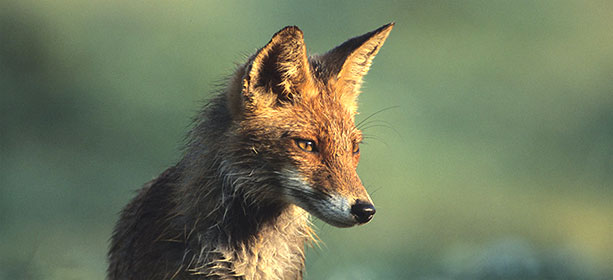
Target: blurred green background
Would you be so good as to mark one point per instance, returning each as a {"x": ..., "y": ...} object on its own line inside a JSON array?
[{"x": 493, "y": 161}]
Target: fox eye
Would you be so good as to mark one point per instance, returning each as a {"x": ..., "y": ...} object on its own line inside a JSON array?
[
  {"x": 356, "y": 148},
  {"x": 306, "y": 145}
]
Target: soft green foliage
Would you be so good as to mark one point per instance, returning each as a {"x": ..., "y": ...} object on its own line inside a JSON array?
[{"x": 495, "y": 160}]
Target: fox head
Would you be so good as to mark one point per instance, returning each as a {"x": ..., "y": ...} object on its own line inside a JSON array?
[{"x": 295, "y": 113}]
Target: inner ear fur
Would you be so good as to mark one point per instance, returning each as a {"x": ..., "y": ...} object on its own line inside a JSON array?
[{"x": 279, "y": 70}]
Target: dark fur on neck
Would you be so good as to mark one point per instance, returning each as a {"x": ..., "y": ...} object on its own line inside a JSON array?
[{"x": 209, "y": 213}]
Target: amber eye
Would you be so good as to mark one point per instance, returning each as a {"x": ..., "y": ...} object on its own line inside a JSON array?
[
  {"x": 356, "y": 148},
  {"x": 306, "y": 145}
]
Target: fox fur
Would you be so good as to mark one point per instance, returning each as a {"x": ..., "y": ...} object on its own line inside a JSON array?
[{"x": 279, "y": 143}]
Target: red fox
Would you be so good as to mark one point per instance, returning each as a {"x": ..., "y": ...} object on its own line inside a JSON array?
[{"x": 279, "y": 143}]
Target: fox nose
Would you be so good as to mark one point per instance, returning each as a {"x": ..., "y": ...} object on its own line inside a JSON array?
[{"x": 362, "y": 211}]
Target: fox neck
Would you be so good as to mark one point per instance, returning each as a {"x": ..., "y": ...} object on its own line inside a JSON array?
[
  {"x": 241, "y": 238},
  {"x": 232, "y": 221}
]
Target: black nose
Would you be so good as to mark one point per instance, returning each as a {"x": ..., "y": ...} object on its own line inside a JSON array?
[{"x": 362, "y": 211}]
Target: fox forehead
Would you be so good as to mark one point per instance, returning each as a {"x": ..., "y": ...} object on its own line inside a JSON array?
[
  {"x": 326, "y": 118},
  {"x": 319, "y": 118},
  {"x": 318, "y": 109}
]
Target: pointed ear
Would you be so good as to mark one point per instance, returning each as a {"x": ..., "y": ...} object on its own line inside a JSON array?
[
  {"x": 279, "y": 70},
  {"x": 350, "y": 61}
]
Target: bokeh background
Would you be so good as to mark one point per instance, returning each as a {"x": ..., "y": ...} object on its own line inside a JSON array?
[{"x": 491, "y": 156}]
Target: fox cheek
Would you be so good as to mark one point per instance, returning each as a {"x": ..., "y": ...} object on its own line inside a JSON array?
[
  {"x": 356, "y": 160},
  {"x": 325, "y": 183}
]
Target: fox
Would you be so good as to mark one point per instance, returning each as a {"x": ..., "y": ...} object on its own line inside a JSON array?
[{"x": 277, "y": 145}]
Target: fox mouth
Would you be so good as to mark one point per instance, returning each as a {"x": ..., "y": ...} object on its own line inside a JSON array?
[{"x": 333, "y": 209}]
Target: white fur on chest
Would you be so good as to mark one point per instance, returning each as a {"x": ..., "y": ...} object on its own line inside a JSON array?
[{"x": 276, "y": 253}]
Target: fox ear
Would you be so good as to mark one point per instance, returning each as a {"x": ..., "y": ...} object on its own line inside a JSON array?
[
  {"x": 350, "y": 61},
  {"x": 280, "y": 69}
]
